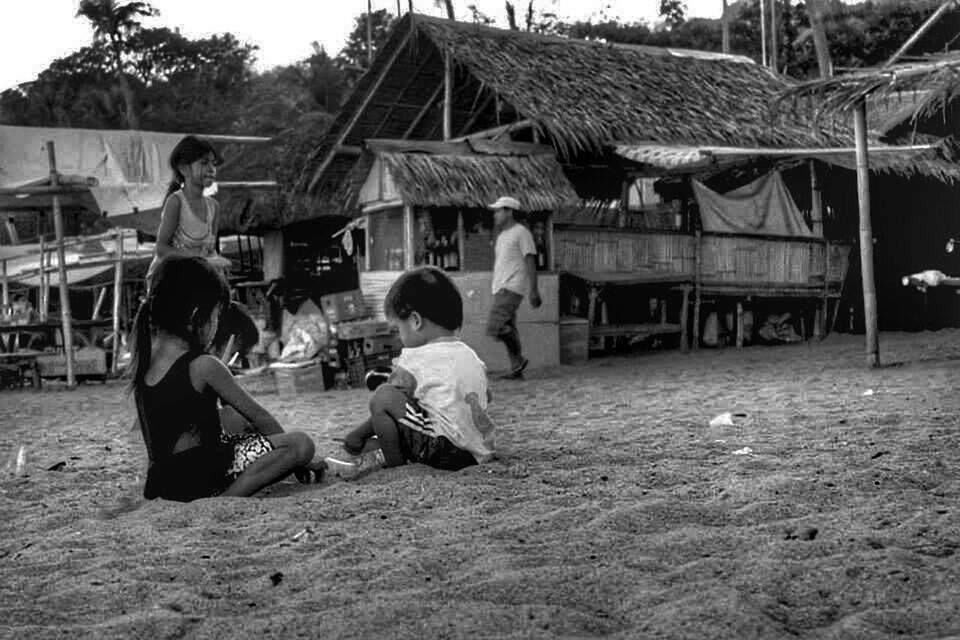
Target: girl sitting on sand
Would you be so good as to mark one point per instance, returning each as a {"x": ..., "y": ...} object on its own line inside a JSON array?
[
  {"x": 189, "y": 221},
  {"x": 433, "y": 407},
  {"x": 176, "y": 387}
]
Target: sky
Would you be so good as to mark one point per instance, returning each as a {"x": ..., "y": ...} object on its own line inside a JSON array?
[{"x": 44, "y": 30}]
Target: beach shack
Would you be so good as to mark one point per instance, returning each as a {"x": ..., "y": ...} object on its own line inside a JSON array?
[
  {"x": 692, "y": 194},
  {"x": 427, "y": 203}
]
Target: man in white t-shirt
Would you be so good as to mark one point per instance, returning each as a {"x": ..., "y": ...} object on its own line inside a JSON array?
[{"x": 514, "y": 276}]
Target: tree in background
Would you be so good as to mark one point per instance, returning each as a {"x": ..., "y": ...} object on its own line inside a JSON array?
[
  {"x": 113, "y": 25},
  {"x": 674, "y": 12},
  {"x": 353, "y": 57}
]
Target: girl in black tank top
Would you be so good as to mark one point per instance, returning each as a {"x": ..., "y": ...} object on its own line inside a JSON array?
[{"x": 177, "y": 388}]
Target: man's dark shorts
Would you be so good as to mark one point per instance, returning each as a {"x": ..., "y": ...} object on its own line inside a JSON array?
[{"x": 503, "y": 313}]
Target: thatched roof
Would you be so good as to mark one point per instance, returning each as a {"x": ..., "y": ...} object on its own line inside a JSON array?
[
  {"x": 473, "y": 174},
  {"x": 580, "y": 96},
  {"x": 929, "y": 86}
]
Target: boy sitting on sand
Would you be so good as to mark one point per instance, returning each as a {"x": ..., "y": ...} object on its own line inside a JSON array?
[{"x": 432, "y": 409}]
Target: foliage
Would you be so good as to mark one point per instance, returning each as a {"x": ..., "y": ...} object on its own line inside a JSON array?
[
  {"x": 353, "y": 56},
  {"x": 674, "y": 12}
]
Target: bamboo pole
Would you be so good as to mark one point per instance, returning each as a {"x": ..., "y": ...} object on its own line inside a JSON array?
[
  {"x": 447, "y": 96},
  {"x": 117, "y": 290},
  {"x": 44, "y": 278},
  {"x": 773, "y": 35},
  {"x": 99, "y": 295},
  {"x": 866, "y": 236},
  {"x": 408, "y": 237},
  {"x": 912, "y": 40},
  {"x": 739, "y": 325},
  {"x": 6, "y": 287},
  {"x": 697, "y": 285},
  {"x": 763, "y": 32},
  {"x": 684, "y": 319},
  {"x": 62, "y": 271},
  {"x": 725, "y": 28}
]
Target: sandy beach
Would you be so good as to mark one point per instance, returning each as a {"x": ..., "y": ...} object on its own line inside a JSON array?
[{"x": 615, "y": 510}]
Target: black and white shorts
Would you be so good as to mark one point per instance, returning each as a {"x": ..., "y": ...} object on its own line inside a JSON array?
[{"x": 247, "y": 447}]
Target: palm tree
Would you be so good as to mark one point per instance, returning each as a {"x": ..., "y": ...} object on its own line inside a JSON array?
[{"x": 113, "y": 24}]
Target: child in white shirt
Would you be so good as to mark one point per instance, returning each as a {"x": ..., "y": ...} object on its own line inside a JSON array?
[{"x": 433, "y": 408}]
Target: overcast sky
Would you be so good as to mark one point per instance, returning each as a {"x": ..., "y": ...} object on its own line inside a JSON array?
[{"x": 39, "y": 31}]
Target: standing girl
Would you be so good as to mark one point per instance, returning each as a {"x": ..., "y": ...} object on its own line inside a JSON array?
[
  {"x": 177, "y": 386},
  {"x": 189, "y": 220}
]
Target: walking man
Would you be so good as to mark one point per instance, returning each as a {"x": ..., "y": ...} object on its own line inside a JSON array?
[{"x": 514, "y": 276}]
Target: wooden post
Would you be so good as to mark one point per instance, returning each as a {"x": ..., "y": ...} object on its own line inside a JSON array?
[
  {"x": 684, "y": 319},
  {"x": 773, "y": 35},
  {"x": 461, "y": 241},
  {"x": 42, "y": 295},
  {"x": 725, "y": 29},
  {"x": 816, "y": 201},
  {"x": 447, "y": 96},
  {"x": 739, "y": 325},
  {"x": 866, "y": 237},
  {"x": 117, "y": 289},
  {"x": 62, "y": 271},
  {"x": 99, "y": 295},
  {"x": 825, "y": 303},
  {"x": 6, "y": 287},
  {"x": 551, "y": 254},
  {"x": 367, "y": 243},
  {"x": 408, "y": 236},
  {"x": 763, "y": 32},
  {"x": 697, "y": 286}
]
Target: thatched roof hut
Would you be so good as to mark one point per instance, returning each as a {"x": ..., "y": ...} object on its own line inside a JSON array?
[
  {"x": 579, "y": 96},
  {"x": 469, "y": 174}
]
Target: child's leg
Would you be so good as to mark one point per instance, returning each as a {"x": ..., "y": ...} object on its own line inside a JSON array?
[
  {"x": 290, "y": 450},
  {"x": 388, "y": 406},
  {"x": 353, "y": 442}
]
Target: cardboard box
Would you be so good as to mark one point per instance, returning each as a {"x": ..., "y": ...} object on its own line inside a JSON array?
[
  {"x": 362, "y": 329},
  {"x": 87, "y": 361},
  {"x": 347, "y": 305}
]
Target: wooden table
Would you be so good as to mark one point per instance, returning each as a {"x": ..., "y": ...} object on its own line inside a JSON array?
[{"x": 20, "y": 363}]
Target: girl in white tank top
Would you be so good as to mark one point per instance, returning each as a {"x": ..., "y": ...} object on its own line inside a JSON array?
[{"x": 183, "y": 230}]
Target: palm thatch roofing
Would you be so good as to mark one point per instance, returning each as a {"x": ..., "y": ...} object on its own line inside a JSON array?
[
  {"x": 580, "y": 96},
  {"x": 932, "y": 83},
  {"x": 469, "y": 174}
]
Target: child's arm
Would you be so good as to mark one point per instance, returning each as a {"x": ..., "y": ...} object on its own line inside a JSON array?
[
  {"x": 209, "y": 371},
  {"x": 169, "y": 219}
]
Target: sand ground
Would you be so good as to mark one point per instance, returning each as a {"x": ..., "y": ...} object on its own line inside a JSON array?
[{"x": 615, "y": 510}]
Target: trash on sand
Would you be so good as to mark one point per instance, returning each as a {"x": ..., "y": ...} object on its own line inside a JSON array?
[
  {"x": 746, "y": 451},
  {"x": 58, "y": 466},
  {"x": 302, "y": 534},
  {"x": 868, "y": 392},
  {"x": 725, "y": 419},
  {"x": 17, "y": 464}
]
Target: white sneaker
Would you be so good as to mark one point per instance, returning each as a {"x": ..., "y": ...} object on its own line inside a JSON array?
[{"x": 351, "y": 468}]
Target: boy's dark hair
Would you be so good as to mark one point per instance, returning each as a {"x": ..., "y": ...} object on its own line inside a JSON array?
[
  {"x": 183, "y": 295},
  {"x": 428, "y": 291},
  {"x": 188, "y": 151}
]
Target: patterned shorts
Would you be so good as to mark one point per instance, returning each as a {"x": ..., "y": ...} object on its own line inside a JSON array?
[{"x": 247, "y": 447}]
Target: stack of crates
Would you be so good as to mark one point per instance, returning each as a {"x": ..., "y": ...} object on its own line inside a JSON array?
[{"x": 358, "y": 342}]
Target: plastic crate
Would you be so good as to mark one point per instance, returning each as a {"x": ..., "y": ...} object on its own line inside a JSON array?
[{"x": 355, "y": 369}]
